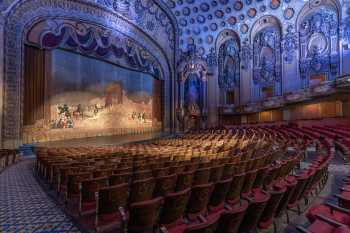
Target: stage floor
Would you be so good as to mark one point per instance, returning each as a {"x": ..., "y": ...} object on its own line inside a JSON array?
[{"x": 104, "y": 140}]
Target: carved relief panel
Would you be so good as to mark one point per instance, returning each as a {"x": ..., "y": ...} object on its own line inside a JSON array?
[
  {"x": 267, "y": 59},
  {"x": 229, "y": 64},
  {"x": 318, "y": 38}
]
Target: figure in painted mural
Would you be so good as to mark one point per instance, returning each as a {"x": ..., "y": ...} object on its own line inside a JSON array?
[
  {"x": 229, "y": 65},
  {"x": 193, "y": 95},
  {"x": 64, "y": 120},
  {"x": 267, "y": 59},
  {"x": 192, "y": 100}
]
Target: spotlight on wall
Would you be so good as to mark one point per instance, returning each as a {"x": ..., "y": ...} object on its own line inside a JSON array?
[{"x": 348, "y": 79}]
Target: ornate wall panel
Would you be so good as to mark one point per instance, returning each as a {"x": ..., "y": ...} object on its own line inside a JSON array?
[
  {"x": 228, "y": 47},
  {"x": 266, "y": 39},
  {"x": 318, "y": 45}
]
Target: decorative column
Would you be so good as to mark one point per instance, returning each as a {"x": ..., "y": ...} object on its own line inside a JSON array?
[{"x": 2, "y": 23}]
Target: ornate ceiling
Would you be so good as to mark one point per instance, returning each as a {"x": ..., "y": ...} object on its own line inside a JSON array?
[{"x": 200, "y": 21}]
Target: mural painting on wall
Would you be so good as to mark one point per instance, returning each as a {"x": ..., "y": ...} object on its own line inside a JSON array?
[
  {"x": 267, "y": 53},
  {"x": 318, "y": 40},
  {"x": 229, "y": 65},
  {"x": 91, "y": 96},
  {"x": 193, "y": 95}
]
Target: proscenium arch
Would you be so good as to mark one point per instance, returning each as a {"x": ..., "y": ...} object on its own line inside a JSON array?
[{"x": 24, "y": 15}]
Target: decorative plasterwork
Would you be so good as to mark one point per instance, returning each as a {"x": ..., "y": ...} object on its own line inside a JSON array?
[{"x": 95, "y": 41}]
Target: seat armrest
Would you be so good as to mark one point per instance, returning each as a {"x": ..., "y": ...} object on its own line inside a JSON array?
[
  {"x": 338, "y": 208},
  {"x": 302, "y": 229},
  {"x": 341, "y": 197},
  {"x": 163, "y": 229},
  {"x": 330, "y": 221},
  {"x": 201, "y": 218},
  {"x": 122, "y": 213},
  {"x": 124, "y": 219},
  {"x": 345, "y": 189},
  {"x": 227, "y": 206}
]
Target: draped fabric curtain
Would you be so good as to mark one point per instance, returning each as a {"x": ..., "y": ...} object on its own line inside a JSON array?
[
  {"x": 34, "y": 85},
  {"x": 157, "y": 100}
]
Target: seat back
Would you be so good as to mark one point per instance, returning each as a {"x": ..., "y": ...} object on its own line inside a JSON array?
[
  {"x": 201, "y": 176},
  {"x": 174, "y": 207},
  {"x": 184, "y": 180},
  {"x": 141, "y": 175},
  {"x": 120, "y": 178},
  {"x": 260, "y": 177},
  {"x": 249, "y": 180},
  {"x": 199, "y": 199},
  {"x": 258, "y": 201},
  {"x": 276, "y": 192},
  {"x": 290, "y": 183},
  {"x": 165, "y": 185},
  {"x": 89, "y": 187},
  {"x": 231, "y": 220},
  {"x": 144, "y": 216},
  {"x": 234, "y": 192},
  {"x": 228, "y": 171},
  {"x": 216, "y": 173},
  {"x": 142, "y": 190},
  {"x": 219, "y": 193},
  {"x": 112, "y": 197}
]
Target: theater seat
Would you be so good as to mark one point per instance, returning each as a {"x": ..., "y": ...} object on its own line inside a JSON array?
[
  {"x": 324, "y": 225},
  {"x": 329, "y": 210}
]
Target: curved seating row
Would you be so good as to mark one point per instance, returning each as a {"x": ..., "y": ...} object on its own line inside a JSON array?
[{"x": 228, "y": 181}]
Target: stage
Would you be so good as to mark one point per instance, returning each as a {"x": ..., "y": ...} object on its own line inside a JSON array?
[{"x": 104, "y": 140}]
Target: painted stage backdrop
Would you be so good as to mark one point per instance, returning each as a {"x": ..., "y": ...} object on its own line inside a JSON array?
[{"x": 89, "y": 97}]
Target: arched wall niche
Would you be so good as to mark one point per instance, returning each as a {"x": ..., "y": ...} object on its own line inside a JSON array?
[
  {"x": 228, "y": 47},
  {"x": 25, "y": 14},
  {"x": 265, "y": 39},
  {"x": 192, "y": 110},
  {"x": 319, "y": 55}
]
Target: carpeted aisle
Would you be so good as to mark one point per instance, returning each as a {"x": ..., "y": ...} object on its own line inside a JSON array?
[{"x": 24, "y": 206}]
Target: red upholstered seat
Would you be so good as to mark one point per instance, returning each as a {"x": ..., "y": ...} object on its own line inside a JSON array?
[
  {"x": 144, "y": 216},
  {"x": 325, "y": 210},
  {"x": 342, "y": 230},
  {"x": 173, "y": 211},
  {"x": 197, "y": 204},
  {"x": 217, "y": 199},
  {"x": 344, "y": 198},
  {"x": 276, "y": 190},
  {"x": 230, "y": 220},
  {"x": 319, "y": 226},
  {"x": 208, "y": 226},
  {"x": 290, "y": 182},
  {"x": 258, "y": 200}
]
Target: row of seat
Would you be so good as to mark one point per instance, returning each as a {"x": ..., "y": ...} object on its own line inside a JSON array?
[
  {"x": 260, "y": 187},
  {"x": 330, "y": 217},
  {"x": 7, "y": 158}
]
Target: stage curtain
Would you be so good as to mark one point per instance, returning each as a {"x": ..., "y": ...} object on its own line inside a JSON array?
[
  {"x": 157, "y": 101},
  {"x": 34, "y": 85}
]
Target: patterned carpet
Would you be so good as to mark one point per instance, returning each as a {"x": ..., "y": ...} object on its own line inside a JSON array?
[{"x": 24, "y": 206}]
